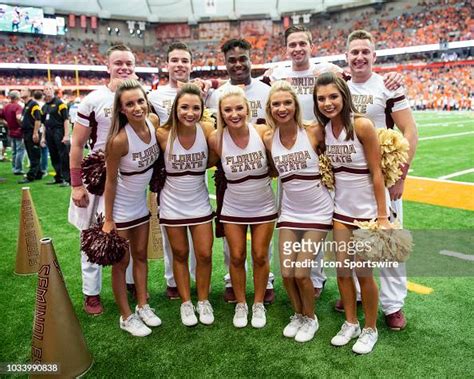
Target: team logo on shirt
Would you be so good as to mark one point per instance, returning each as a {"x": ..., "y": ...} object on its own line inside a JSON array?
[
  {"x": 304, "y": 85},
  {"x": 293, "y": 161},
  {"x": 188, "y": 161},
  {"x": 147, "y": 156},
  {"x": 245, "y": 162},
  {"x": 107, "y": 112},
  {"x": 361, "y": 102},
  {"x": 255, "y": 106},
  {"x": 340, "y": 153}
]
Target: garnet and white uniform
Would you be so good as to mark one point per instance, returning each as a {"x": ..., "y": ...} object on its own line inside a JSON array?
[
  {"x": 162, "y": 100},
  {"x": 256, "y": 93},
  {"x": 354, "y": 191},
  {"x": 248, "y": 198},
  {"x": 94, "y": 112},
  {"x": 135, "y": 171},
  {"x": 303, "y": 83},
  {"x": 376, "y": 102},
  {"x": 306, "y": 203},
  {"x": 184, "y": 199}
]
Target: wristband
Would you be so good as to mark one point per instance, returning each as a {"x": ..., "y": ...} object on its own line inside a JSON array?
[
  {"x": 214, "y": 83},
  {"x": 404, "y": 167},
  {"x": 76, "y": 177}
]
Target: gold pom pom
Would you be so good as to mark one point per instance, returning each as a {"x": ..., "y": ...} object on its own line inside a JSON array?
[
  {"x": 394, "y": 151},
  {"x": 392, "y": 245},
  {"x": 327, "y": 175}
]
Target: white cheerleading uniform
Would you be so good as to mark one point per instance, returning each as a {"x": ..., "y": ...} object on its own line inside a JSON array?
[
  {"x": 162, "y": 100},
  {"x": 354, "y": 190},
  {"x": 184, "y": 199},
  {"x": 94, "y": 112},
  {"x": 306, "y": 203},
  {"x": 256, "y": 93},
  {"x": 303, "y": 83},
  {"x": 248, "y": 198},
  {"x": 376, "y": 102},
  {"x": 135, "y": 171}
]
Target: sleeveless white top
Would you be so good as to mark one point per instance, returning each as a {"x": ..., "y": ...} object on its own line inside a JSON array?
[
  {"x": 305, "y": 202},
  {"x": 249, "y": 197}
]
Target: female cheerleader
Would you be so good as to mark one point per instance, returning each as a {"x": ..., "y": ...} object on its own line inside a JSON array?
[
  {"x": 184, "y": 199},
  {"x": 306, "y": 208},
  {"x": 131, "y": 150},
  {"x": 248, "y": 199},
  {"x": 360, "y": 195}
]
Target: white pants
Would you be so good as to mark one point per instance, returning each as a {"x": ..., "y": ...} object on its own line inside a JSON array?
[
  {"x": 393, "y": 280},
  {"x": 168, "y": 258}
]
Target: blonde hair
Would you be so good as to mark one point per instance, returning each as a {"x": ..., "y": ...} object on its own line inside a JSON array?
[
  {"x": 119, "y": 120},
  {"x": 282, "y": 86},
  {"x": 173, "y": 122},
  {"x": 228, "y": 92}
]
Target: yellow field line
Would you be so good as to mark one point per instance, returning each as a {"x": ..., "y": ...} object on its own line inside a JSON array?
[
  {"x": 418, "y": 288},
  {"x": 439, "y": 192}
]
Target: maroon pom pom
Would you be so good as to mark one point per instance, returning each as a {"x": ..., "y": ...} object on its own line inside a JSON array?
[
  {"x": 158, "y": 177},
  {"x": 102, "y": 248},
  {"x": 94, "y": 173}
]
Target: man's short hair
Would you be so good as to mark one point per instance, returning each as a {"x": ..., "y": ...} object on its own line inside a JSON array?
[
  {"x": 360, "y": 34},
  {"x": 117, "y": 47},
  {"x": 233, "y": 43},
  {"x": 37, "y": 95},
  {"x": 178, "y": 46},
  {"x": 14, "y": 95},
  {"x": 298, "y": 29}
]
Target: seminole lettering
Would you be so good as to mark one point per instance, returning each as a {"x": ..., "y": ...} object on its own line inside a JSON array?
[
  {"x": 340, "y": 153},
  {"x": 42, "y": 289},
  {"x": 361, "y": 102},
  {"x": 245, "y": 162},
  {"x": 291, "y": 162},
  {"x": 188, "y": 161},
  {"x": 304, "y": 85},
  {"x": 147, "y": 156}
]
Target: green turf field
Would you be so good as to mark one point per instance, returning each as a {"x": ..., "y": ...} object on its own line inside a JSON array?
[{"x": 438, "y": 340}]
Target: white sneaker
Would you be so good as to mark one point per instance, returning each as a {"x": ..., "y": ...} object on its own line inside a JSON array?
[
  {"x": 240, "y": 316},
  {"x": 206, "y": 315},
  {"x": 188, "y": 318},
  {"x": 148, "y": 315},
  {"x": 307, "y": 331},
  {"x": 134, "y": 326},
  {"x": 296, "y": 322},
  {"x": 348, "y": 331},
  {"x": 258, "y": 315},
  {"x": 366, "y": 341}
]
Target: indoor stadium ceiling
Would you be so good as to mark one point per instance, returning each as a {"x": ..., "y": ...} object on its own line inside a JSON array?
[{"x": 183, "y": 10}]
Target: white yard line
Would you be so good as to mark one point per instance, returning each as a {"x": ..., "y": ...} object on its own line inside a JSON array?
[
  {"x": 445, "y": 136},
  {"x": 465, "y": 257},
  {"x": 441, "y": 180},
  {"x": 454, "y": 174},
  {"x": 212, "y": 197}
]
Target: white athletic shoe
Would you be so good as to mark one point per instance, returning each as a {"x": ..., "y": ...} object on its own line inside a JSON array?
[
  {"x": 205, "y": 311},
  {"x": 258, "y": 315},
  {"x": 188, "y": 318},
  {"x": 307, "y": 330},
  {"x": 366, "y": 341},
  {"x": 348, "y": 331},
  {"x": 148, "y": 315},
  {"x": 296, "y": 322},
  {"x": 240, "y": 316},
  {"x": 134, "y": 326}
]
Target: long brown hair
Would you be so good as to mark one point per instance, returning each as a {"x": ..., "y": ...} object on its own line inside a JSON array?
[
  {"x": 173, "y": 122},
  {"x": 119, "y": 120},
  {"x": 348, "y": 108},
  {"x": 282, "y": 86}
]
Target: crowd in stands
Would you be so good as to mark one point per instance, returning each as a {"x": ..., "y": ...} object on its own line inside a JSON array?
[{"x": 428, "y": 22}]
